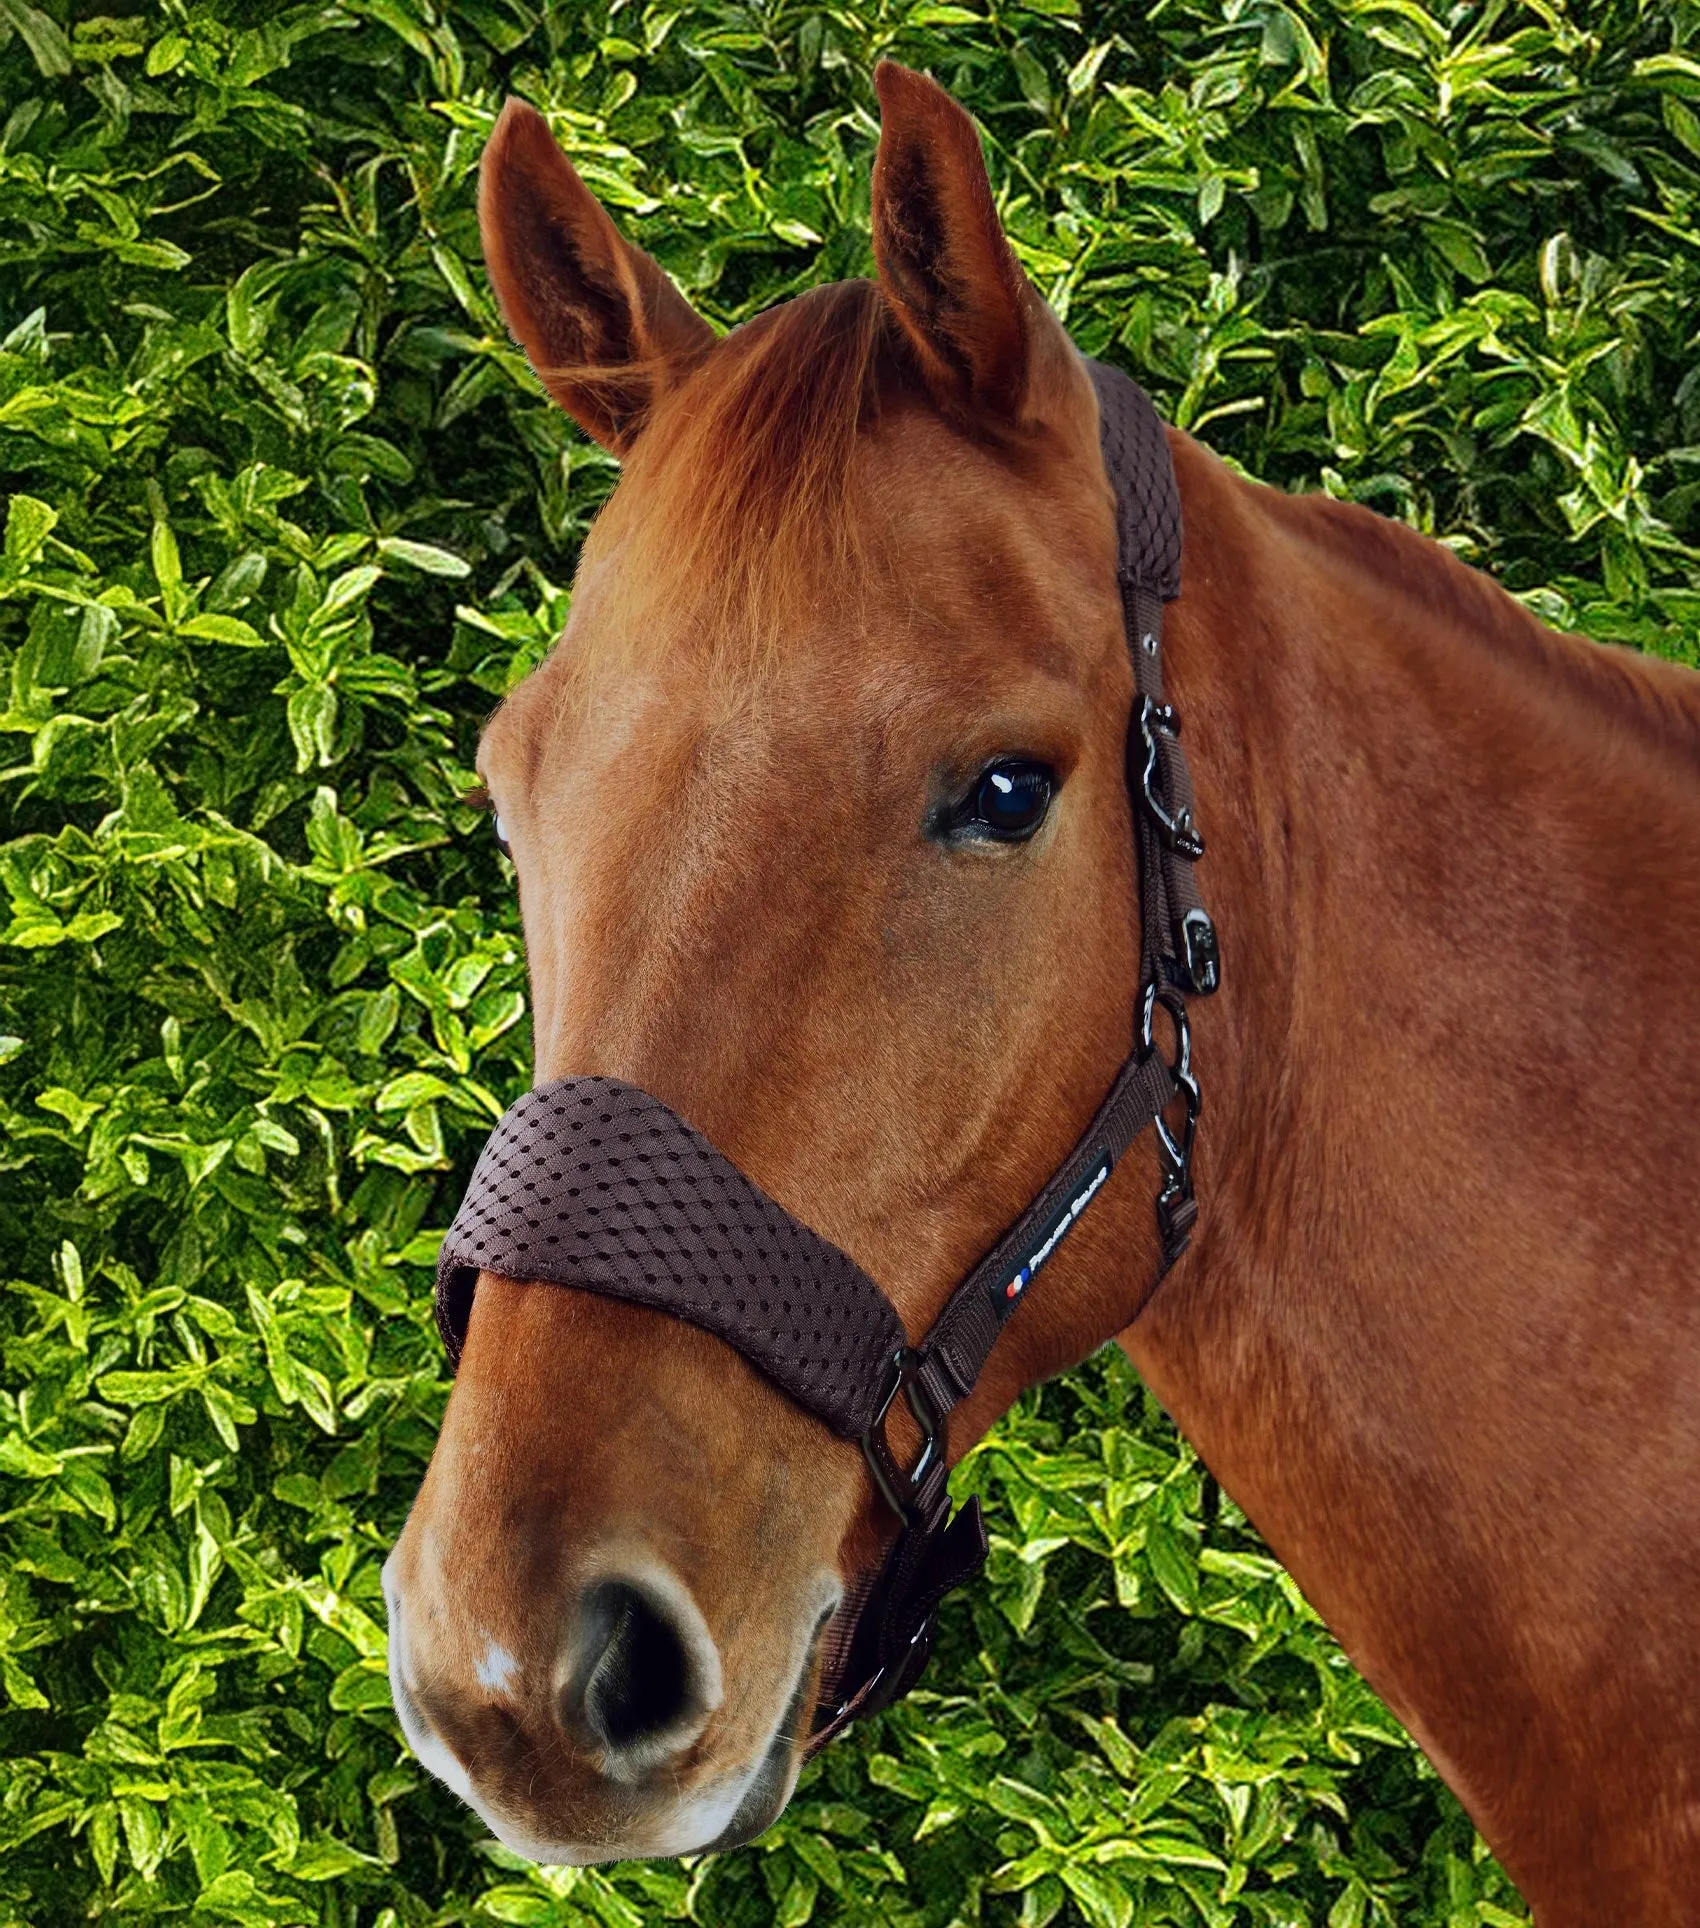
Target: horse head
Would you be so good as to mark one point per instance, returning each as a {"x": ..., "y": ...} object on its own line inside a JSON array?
[{"x": 821, "y": 828}]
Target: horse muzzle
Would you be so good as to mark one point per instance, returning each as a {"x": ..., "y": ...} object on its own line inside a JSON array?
[{"x": 620, "y": 1743}]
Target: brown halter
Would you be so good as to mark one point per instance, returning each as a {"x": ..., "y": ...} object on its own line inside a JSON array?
[{"x": 593, "y": 1183}]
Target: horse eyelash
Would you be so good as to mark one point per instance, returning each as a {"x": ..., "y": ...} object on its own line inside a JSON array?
[{"x": 479, "y": 798}]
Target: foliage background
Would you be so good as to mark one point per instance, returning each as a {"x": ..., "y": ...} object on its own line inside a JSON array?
[{"x": 286, "y": 513}]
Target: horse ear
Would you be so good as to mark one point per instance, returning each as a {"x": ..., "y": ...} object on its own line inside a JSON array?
[
  {"x": 598, "y": 319},
  {"x": 984, "y": 338}
]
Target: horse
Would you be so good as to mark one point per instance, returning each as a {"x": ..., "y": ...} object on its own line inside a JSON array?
[{"x": 1437, "y": 1332}]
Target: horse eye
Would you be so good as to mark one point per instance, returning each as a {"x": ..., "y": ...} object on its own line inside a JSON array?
[
  {"x": 501, "y": 839},
  {"x": 1011, "y": 799}
]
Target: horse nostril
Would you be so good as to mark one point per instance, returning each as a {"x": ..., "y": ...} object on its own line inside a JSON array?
[{"x": 633, "y": 1683}]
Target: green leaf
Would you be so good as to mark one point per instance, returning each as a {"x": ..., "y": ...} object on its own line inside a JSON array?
[
  {"x": 77, "y": 1112},
  {"x": 88, "y": 925},
  {"x": 167, "y": 569},
  {"x": 1172, "y": 1565},
  {"x": 28, "y": 521},
  {"x": 142, "y": 1388},
  {"x": 1460, "y": 247},
  {"x": 327, "y": 1859},
  {"x": 423, "y": 555},
  {"x": 222, "y": 629},
  {"x": 312, "y": 715},
  {"x": 1103, "y": 1900},
  {"x": 524, "y": 1906},
  {"x": 43, "y": 35},
  {"x": 414, "y": 1088}
]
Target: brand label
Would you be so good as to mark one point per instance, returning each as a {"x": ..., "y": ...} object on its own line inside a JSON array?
[{"x": 1056, "y": 1232}]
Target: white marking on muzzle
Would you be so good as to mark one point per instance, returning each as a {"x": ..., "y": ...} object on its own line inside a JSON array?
[
  {"x": 497, "y": 1668},
  {"x": 693, "y": 1820},
  {"x": 434, "y": 1756}
]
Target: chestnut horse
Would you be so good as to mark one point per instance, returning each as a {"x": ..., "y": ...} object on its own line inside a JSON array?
[{"x": 1438, "y": 1331}]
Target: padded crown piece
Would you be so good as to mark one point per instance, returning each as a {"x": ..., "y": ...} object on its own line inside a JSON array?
[
  {"x": 592, "y": 1182},
  {"x": 1148, "y": 505}
]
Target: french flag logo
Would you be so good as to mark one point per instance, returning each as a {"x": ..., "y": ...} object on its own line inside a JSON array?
[{"x": 1055, "y": 1234}]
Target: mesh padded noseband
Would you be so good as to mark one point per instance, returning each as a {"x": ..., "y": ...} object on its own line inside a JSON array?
[{"x": 593, "y": 1183}]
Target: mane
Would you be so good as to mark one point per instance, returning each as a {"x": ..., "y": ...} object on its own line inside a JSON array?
[
  {"x": 1657, "y": 695},
  {"x": 739, "y": 489}
]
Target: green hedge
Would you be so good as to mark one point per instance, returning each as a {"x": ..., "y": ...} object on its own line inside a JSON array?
[{"x": 286, "y": 514}]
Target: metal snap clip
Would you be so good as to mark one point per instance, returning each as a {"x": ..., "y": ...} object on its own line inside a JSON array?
[
  {"x": 1201, "y": 958},
  {"x": 1177, "y": 1208},
  {"x": 1179, "y": 831}
]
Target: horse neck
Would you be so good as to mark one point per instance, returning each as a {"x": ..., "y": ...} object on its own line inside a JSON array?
[{"x": 1438, "y": 1334}]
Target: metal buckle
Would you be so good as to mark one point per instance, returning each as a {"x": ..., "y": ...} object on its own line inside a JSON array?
[
  {"x": 1177, "y": 1208},
  {"x": 1201, "y": 956},
  {"x": 1179, "y": 832},
  {"x": 900, "y": 1486}
]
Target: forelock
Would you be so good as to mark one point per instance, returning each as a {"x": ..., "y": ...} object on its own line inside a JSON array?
[{"x": 739, "y": 497}]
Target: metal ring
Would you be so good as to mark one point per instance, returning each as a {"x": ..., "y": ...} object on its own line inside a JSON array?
[
  {"x": 1175, "y": 1150},
  {"x": 900, "y": 1486},
  {"x": 1156, "y": 992}
]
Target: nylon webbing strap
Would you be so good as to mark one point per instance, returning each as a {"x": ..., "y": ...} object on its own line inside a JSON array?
[
  {"x": 1148, "y": 505},
  {"x": 962, "y": 1337},
  {"x": 1148, "y": 531}
]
